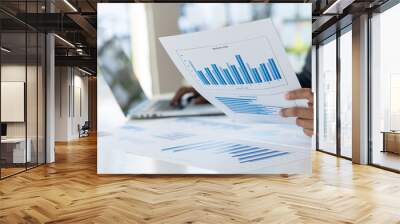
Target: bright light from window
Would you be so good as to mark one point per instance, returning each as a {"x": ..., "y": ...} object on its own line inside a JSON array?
[{"x": 141, "y": 46}]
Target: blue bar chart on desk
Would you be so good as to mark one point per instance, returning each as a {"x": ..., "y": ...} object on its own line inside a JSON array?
[
  {"x": 242, "y": 153},
  {"x": 234, "y": 65}
]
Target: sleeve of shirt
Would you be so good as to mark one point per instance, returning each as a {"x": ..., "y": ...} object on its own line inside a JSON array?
[{"x": 305, "y": 75}]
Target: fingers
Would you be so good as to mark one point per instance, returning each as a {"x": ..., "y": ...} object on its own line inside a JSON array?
[
  {"x": 305, "y": 123},
  {"x": 308, "y": 132},
  {"x": 178, "y": 95},
  {"x": 303, "y": 93},
  {"x": 301, "y": 112},
  {"x": 305, "y": 115},
  {"x": 200, "y": 100}
]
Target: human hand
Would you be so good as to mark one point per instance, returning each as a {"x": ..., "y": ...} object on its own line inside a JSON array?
[
  {"x": 197, "y": 98},
  {"x": 304, "y": 115}
]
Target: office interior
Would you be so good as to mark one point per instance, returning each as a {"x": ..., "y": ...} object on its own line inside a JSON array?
[
  {"x": 49, "y": 75},
  {"x": 31, "y": 55},
  {"x": 48, "y": 81},
  {"x": 334, "y": 75}
]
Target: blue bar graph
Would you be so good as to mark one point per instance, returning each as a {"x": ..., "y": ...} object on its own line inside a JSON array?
[
  {"x": 248, "y": 106},
  {"x": 273, "y": 65},
  {"x": 256, "y": 75},
  {"x": 243, "y": 69},
  {"x": 174, "y": 136},
  {"x": 235, "y": 72},
  {"x": 218, "y": 74},
  {"x": 132, "y": 127},
  {"x": 209, "y": 123},
  {"x": 240, "y": 73},
  {"x": 242, "y": 153},
  {"x": 211, "y": 77},
  {"x": 200, "y": 74},
  {"x": 228, "y": 76},
  {"x": 265, "y": 72}
]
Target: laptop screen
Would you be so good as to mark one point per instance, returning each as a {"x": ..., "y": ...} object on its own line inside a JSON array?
[{"x": 116, "y": 67}]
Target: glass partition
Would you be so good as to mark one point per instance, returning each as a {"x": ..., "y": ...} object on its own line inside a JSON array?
[
  {"x": 385, "y": 90},
  {"x": 13, "y": 105},
  {"x": 346, "y": 94},
  {"x": 22, "y": 77},
  {"x": 41, "y": 97},
  {"x": 327, "y": 96},
  {"x": 31, "y": 98}
]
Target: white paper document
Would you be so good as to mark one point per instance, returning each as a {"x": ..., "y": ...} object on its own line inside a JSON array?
[
  {"x": 214, "y": 146},
  {"x": 242, "y": 69}
]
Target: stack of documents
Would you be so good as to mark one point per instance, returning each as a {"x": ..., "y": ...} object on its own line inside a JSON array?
[{"x": 242, "y": 70}]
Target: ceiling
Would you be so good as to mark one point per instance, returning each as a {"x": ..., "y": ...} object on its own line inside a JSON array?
[{"x": 76, "y": 20}]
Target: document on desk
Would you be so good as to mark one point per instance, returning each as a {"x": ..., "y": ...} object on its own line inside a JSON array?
[
  {"x": 242, "y": 69},
  {"x": 215, "y": 145}
]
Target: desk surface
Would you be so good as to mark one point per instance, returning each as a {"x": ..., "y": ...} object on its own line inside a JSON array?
[
  {"x": 13, "y": 140},
  {"x": 119, "y": 153},
  {"x": 391, "y": 132}
]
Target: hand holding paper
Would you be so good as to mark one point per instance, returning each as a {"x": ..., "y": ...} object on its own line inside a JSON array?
[{"x": 242, "y": 69}]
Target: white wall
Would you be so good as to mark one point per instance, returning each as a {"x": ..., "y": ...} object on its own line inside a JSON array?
[
  {"x": 149, "y": 22},
  {"x": 163, "y": 22},
  {"x": 34, "y": 125},
  {"x": 71, "y": 102},
  {"x": 17, "y": 73}
]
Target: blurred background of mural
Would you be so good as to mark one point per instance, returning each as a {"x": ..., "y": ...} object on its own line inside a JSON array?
[{"x": 128, "y": 40}]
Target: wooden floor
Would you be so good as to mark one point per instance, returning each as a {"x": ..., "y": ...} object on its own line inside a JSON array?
[{"x": 70, "y": 191}]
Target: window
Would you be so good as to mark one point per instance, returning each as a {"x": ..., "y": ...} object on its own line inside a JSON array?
[
  {"x": 327, "y": 96},
  {"x": 346, "y": 94},
  {"x": 385, "y": 89},
  {"x": 22, "y": 88}
]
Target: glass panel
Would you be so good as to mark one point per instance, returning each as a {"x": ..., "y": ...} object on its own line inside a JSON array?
[
  {"x": 41, "y": 99},
  {"x": 32, "y": 88},
  {"x": 346, "y": 94},
  {"x": 327, "y": 97},
  {"x": 13, "y": 87},
  {"x": 31, "y": 98},
  {"x": 385, "y": 87}
]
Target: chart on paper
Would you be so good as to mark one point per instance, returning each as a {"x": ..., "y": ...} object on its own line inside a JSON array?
[
  {"x": 242, "y": 153},
  {"x": 243, "y": 70},
  {"x": 233, "y": 65}
]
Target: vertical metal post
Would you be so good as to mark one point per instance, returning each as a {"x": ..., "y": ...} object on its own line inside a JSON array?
[{"x": 338, "y": 80}]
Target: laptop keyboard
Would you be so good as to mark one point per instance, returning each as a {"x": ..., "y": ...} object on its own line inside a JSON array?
[{"x": 162, "y": 105}]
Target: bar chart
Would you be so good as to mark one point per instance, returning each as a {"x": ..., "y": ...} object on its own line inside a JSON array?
[
  {"x": 132, "y": 127},
  {"x": 242, "y": 153},
  {"x": 248, "y": 105},
  {"x": 190, "y": 121},
  {"x": 236, "y": 64},
  {"x": 238, "y": 74},
  {"x": 174, "y": 136}
]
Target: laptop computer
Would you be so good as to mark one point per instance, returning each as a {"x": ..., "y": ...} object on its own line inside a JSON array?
[{"x": 116, "y": 68}]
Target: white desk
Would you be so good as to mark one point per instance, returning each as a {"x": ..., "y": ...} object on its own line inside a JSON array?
[
  {"x": 19, "y": 153},
  {"x": 117, "y": 153}
]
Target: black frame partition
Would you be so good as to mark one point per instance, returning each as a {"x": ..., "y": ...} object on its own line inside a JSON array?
[
  {"x": 335, "y": 36},
  {"x": 27, "y": 53},
  {"x": 381, "y": 9},
  {"x": 332, "y": 37},
  {"x": 343, "y": 25}
]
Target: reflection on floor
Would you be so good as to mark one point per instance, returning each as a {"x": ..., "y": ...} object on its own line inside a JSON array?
[
  {"x": 386, "y": 159},
  {"x": 70, "y": 191},
  {"x": 10, "y": 169}
]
